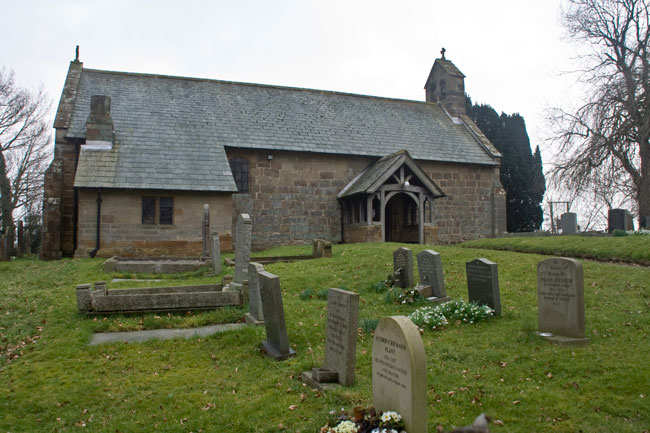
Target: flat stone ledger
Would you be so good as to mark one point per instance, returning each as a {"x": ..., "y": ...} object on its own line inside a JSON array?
[
  {"x": 483, "y": 283},
  {"x": 243, "y": 247},
  {"x": 255, "y": 316},
  {"x": 340, "y": 341},
  {"x": 216, "y": 253},
  {"x": 277, "y": 340},
  {"x": 561, "y": 303},
  {"x": 399, "y": 372},
  {"x": 403, "y": 259},
  {"x": 430, "y": 270}
]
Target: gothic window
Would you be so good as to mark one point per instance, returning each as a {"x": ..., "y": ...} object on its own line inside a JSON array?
[{"x": 239, "y": 168}]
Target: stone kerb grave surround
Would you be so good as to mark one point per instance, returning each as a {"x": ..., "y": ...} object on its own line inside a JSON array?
[
  {"x": 403, "y": 259},
  {"x": 483, "y": 283},
  {"x": 244, "y": 232},
  {"x": 561, "y": 302},
  {"x": 255, "y": 316},
  {"x": 340, "y": 342},
  {"x": 276, "y": 344},
  {"x": 432, "y": 280},
  {"x": 399, "y": 372}
]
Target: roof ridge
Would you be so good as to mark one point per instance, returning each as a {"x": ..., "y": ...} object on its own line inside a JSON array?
[{"x": 272, "y": 86}]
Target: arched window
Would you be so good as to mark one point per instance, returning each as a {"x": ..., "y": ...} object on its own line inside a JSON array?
[{"x": 239, "y": 168}]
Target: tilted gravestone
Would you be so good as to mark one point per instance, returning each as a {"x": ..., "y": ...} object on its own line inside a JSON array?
[
  {"x": 321, "y": 248},
  {"x": 483, "y": 283},
  {"x": 340, "y": 341},
  {"x": 561, "y": 302},
  {"x": 216, "y": 253},
  {"x": 244, "y": 231},
  {"x": 619, "y": 219},
  {"x": 403, "y": 263},
  {"x": 255, "y": 316},
  {"x": 276, "y": 344},
  {"x": 432, "y": 280},
  {"x": 569, "y": 223},
  {"x": 399, "y": 372}
]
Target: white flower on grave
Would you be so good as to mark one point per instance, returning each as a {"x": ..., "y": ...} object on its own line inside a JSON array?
[
  {"x": 346, "y": 427},
  {"x": 391, "y": 416}
]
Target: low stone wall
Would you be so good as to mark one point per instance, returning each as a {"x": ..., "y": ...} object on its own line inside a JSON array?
[
  {"x": 359, "y": 233},
  {"x": 100, "y": 300}
]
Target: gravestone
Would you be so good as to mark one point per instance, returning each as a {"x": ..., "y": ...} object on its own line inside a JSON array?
[
  {"x": 399, "y": 372},
  {"x": 321, "y": 248},
  {"x": 561, "y": 302},
  {"x": 569, "y": 223},
  {"x": 255, "y": 316},
  {"x": 340, "y": 341},
  {"x": 20, "y": 234},
  {"x": 276, "y": 344},
  {"x": 619, "y": 219},
  {"x": 216, "y": 254},
  {"x": 403, "y": 260},
  {"x": 432, "y": 280},
  {"x": 244, "y": 231},
  {"x": 4, "y": 248},
  {"x": 206, "y": 232},
  {"x": 483, "y": 283}
]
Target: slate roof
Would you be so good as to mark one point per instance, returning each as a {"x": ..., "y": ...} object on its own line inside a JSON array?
[
  {"x": 376, "y": 173},
  {"x": 171, "y": 132}
]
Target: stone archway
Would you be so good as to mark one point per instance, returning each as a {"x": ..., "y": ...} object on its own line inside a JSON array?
[{"x": 402, "y": 218}]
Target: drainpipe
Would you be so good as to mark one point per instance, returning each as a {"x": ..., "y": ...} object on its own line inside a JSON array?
[{"x": 99, "y": 222}]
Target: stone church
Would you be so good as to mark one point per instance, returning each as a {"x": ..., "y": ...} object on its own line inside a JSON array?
[{"x": 137, "y": 156}]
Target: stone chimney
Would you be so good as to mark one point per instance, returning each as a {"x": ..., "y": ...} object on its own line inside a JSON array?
[
  {"x": 99, "y": 126},
  {"x": 446, "y": 86}
]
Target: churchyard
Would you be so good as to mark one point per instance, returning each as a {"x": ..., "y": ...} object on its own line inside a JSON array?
[{"x": 52, "y": 380}]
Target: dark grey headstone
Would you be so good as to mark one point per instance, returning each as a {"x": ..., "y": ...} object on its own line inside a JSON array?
[
  {"x": 277, "y": 340},
  {"x": 619, "y": 219},
  {"x": 483, "y": 283},
  {"x": 255, "y": 316},
  {"x": 430, "y": 270},
  {"x": 205, "y": 232},
  {"x": 403, "y": 259},
  {"x": 561, "y": 303},
  {"x": 242, "y": 247}
]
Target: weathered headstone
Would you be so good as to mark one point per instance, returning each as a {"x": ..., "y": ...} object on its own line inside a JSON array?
[
  {"x": 483, "y": 283},
  {"x": 244, "y": 231},
  {"x": 561, "y": 302},
  {"x": 569, "y": 223},
  {"x": 340, "y": 341},
  {"x": 399, "y": 372},
  {"x": 403, "y": 263},
  {"x": 4, "y": 248},
  {"x": 205, "y": 234},
  {"x": 276, "y": 344},
  {"x": 255, "y": 316},
  {"x": 20, "y": 234},
  {"x": 619, "y": 219},
  {"x": 84, "y": 301},
  {"x": 431, "y": 276},
  {"x": 216, "y": 254},
  {"x": 321, "y": 248}
]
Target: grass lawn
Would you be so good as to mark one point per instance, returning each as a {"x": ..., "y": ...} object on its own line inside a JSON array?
[
  {"x": 52, "y": 381},
  {"x": 630, "y": 249}
]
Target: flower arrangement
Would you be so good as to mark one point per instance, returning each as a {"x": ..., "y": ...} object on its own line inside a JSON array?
[
  {"x": 364, "y": 421},
  {"x": 437, "y": 317}
]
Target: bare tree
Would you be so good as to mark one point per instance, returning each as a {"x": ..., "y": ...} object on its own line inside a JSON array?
[
  {"x": 604, "y": 146},
  {"x": 24, "y": 137}
]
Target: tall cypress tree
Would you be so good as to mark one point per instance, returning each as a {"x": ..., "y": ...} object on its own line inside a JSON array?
[{"x": 521, "y": 171}]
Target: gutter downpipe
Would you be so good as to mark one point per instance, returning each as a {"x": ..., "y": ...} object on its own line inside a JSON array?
[{"x": 99, "y": 222}]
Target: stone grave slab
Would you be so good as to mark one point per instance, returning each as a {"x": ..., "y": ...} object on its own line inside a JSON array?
[
  {"x": 255, "y": 315},
  {"x": 276, "y": 344},
  {"x": 561, "y": 303},
  {"x": 340, "y": 341},
  {"x": 431, "y": 275},
  {"x": 399, "y": 372},
  {"x": 403, "y": 259},
  {"x": 483, "y": 283}
]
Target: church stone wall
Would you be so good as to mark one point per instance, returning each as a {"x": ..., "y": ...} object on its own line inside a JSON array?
[{"x": 123, "y": 234}]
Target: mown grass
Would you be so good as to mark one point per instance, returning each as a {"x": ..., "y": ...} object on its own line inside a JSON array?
[
  {"x": 631, "y": 249},
  {"x": 224, "y": 383}
]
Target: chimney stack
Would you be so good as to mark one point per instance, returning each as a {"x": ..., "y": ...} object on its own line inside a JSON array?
[
  {"x": 446, "y": 86},
  {"x": 99, "y": 126}
]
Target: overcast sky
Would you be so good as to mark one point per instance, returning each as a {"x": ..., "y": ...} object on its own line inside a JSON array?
[{"x": 510, "y": 50}]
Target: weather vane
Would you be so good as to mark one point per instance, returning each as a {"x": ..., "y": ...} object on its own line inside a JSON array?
[{"x": 443, "y": 53}]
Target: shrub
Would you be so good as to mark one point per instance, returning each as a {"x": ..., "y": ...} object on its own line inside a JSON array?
[
  {"x": 306, "y": 294},
  {"x": 438, "y": 316},
  {"x": 322, "y": 294},
  {"x": 369, "y": 325},
  {"x": 618, "y": 233}
]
